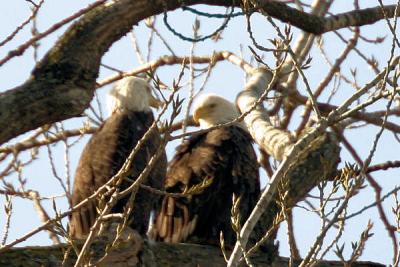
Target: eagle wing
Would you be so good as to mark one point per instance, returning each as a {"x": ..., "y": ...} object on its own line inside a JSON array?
[
  {"x": 212, "y": 166},
  {"x": 102, "y": 158}
]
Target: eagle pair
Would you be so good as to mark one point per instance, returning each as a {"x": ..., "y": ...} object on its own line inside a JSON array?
[{"x": 220, "y": 163}]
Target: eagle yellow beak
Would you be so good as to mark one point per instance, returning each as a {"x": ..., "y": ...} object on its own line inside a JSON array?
[
  {"x": 198, "y": 114},
  {"x": 154, "y": 102}
]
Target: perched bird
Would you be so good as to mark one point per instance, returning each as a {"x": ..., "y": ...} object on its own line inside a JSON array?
[
  {"x": 107, "y": 151},
  {"x": 211, "y": 167}
]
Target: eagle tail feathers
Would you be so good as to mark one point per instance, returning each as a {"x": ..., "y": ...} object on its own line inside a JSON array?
[{"x": 173, "y": 224}]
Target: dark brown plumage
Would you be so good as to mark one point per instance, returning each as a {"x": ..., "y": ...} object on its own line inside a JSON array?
[
  {"x": 225, "y": 156},
  {"x": 102, "y": 158}
]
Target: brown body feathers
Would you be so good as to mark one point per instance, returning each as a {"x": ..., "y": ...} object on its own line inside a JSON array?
[
  {"x": 210, "y": 168},
  {"x": 102, "y": 158}
]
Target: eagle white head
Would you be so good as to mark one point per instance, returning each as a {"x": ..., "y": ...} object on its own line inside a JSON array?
[
  {"x": 131, "y": 94},
  {"x": 211, "y": 110}
]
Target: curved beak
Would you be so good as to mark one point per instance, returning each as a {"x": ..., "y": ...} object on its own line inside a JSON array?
[
  {"x": 198, "y": 113},
  {"x": 155, "y": 103}
]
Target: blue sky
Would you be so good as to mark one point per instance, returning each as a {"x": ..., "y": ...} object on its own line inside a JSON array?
[{"x": 225, "y": 80}]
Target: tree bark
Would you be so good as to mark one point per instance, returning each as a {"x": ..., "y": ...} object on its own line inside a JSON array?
[{"x": 140, "y": 253}]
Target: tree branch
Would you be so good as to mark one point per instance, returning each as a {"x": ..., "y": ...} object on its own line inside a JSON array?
[
  {"x": 319, "y": 25},
  {"x": 135, "y": 252}
]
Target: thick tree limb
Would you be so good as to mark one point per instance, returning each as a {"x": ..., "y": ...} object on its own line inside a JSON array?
[
  {"x": 275, "y": 142},
  {"x": 319, "y": 25},
  {"x": 139, "y": 253}
]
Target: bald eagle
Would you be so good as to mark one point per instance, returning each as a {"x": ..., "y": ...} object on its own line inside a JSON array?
[
  {"x": 107, "y": 151},
  {"x": 223, "y": 162}
]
